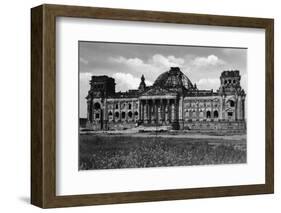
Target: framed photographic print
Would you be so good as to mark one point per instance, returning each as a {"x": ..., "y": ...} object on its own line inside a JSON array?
[{"x": 137, "y": 106}]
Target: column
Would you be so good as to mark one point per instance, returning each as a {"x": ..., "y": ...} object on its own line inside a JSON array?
[
  {"x": 168, "y": 117},
  {"x": 197, "y": 110},
  {"x": 132, "y": 110},
  {"x": 145, "y": 111},
  {"x": 126, "y": 111},
  {"x": 205, "y": 111},
  {"x": 149, "y": 112},
  {"x": 113, "y": 111},
  {"x": 220, "y": 111},
  {"x": 212, "y": 109},
  {"x": 180, "y": 109},
  {"x": 172, "y": 111},
  {"x": 139, "y": 109},
  {"x": 239, "y": 108},
  {"x": 176, "y": 110},
  {"x": 153, "y": 117},
  {"x": 236, "y": 109},
  {"x": 223, "y": 108},
  {"x": 164, "y": 111},
  {"x": 105, "y": 116},
  {"x": 160, "y": 111},
  {"x": 156, "y": 107},
  {"x": 141, "y": 114},
  {"x": 243, "y": 109},
  {"x": 89, "y": 110},
  {"x": 120, "y": 112}
]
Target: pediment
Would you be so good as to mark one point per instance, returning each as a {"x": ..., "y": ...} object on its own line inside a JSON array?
[{"x": 158, "y": 91}]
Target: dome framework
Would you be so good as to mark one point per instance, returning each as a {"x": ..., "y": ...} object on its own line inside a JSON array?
[{"x": 173, "y": 78}]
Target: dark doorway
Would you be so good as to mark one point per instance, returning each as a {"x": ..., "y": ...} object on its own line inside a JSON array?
[
  {"x": 216, "y": 114},
  {"x": 208, "y": 114}
]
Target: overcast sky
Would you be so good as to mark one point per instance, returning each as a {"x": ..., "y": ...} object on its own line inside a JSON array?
[{"x": 127, "y": 62}]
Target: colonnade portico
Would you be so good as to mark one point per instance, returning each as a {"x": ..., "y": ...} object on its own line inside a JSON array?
[{"x": 158, "y": 110}]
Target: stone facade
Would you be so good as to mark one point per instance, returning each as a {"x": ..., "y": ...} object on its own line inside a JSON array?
[{"x": 171, "y": 101}]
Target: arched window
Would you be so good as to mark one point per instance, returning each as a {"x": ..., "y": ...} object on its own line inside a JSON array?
[
  {"x": 130, "y": 106},
  {"x": 231, "y": 103},
  {"x": 116, "y": 114},
  {"x": 216, "y": 114},
  {"x": 208, "y": 114},
  {"x": 97, "y": 106},
  {"x": 136, "y": 113},
  {"x": 110, "y": 113},
  {"x": 123, "y": 114},
  {"x": 116, "y": 106},
  {"x": 130, "y": 114}
]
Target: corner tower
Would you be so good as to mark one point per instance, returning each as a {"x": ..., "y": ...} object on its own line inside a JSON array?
[
  {"x": 232, "y": 96},
  {"x": 230, "y": 81},
  {"x": 102, "y": 85}
]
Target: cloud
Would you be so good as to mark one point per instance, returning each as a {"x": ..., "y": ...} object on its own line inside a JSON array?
[
  {"x": 214, "y": 83},
  {"x": 134, "y": 65},
  {"x": 208, "y": 83},
  {"x": 207, "y": 61},
  {"x": 127, "y": 61},
  {"x": 86, "y": 75},
  {"x": 155, "y": 62},
  {"x": 83, "y": 60},
  {"x": 150, "y": 68},
  {"x": 194, "y": 67},
  {"x": 84, "y": 87},
  {"x": 244, "y": 82},
  {"x": 169, "y": 61},
  {"x": 126, "y": 81}
]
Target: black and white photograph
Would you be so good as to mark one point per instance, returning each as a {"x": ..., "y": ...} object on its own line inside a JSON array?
[{"x": 159, "y": 105}]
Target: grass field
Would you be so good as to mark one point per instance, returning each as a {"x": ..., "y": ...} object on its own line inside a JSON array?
[{"x": 99, "y": 151}]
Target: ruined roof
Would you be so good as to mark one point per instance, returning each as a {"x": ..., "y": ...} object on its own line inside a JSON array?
[
  {"x": 158, "y": 91},
  {"x": 133, "y": 93},
  {"x": 230, "y": 73},
  {"x": 173, "y": 78},
  {"x": 127, "y": 94}
]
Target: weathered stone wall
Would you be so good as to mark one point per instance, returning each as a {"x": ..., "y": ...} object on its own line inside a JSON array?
[
  {"x": 225, "y": 126},
  {"x": 229, "y": 107},
  {"x": 118, "y": 113},
  {"x": 201, "y": 108},
  {"x": 122, "y": 110},
  {"x": 120, "y": 125},
  {"x": 93, "y": 125}
]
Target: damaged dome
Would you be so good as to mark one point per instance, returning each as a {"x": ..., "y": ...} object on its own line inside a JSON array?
[{"x": 173, "y": 78}]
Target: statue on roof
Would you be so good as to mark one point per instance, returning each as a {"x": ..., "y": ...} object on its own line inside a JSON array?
[{"x": 142, "y": 85}]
